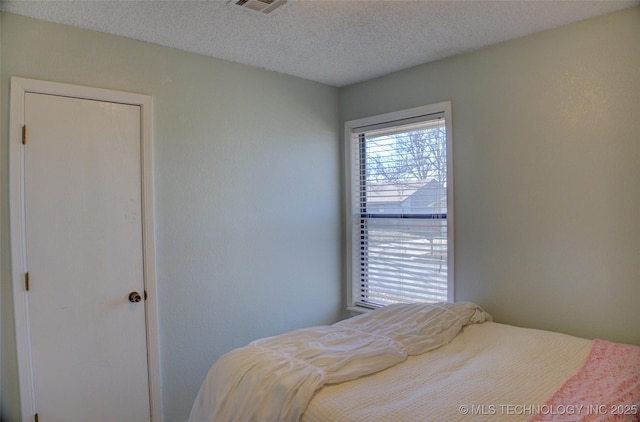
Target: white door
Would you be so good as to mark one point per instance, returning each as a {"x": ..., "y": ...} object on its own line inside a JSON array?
[{"x": 84, "y": 255}]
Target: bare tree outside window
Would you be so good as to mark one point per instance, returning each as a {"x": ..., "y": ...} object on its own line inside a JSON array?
[
  {"x": 406, "y": 171},
  {"x": 408, "y": 158}
]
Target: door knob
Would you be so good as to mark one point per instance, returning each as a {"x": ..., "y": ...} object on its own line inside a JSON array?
[{"x": 134, "y": 297}]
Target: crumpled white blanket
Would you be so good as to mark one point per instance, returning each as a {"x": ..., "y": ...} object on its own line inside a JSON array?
[{"x": 273, "y": 379}]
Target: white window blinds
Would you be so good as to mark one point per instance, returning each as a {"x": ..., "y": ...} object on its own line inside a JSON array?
[{"x": 399, "y": 204}]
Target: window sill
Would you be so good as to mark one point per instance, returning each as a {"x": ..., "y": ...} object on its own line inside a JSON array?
[{"x": 355, "y": 310}]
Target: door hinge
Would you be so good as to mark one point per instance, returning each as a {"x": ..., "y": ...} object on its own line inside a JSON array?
[
  {"x": 26, "y": 281},
  {"x": 24, "y": 135}
]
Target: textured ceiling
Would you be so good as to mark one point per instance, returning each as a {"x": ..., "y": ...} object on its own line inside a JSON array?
[{"x": 335, "y": 42}]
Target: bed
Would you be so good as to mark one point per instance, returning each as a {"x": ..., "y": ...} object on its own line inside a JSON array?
[{"x": 423, "y": 362}]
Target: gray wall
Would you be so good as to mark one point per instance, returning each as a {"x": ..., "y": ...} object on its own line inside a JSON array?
[
  {"x": 247, "y": 194},
  {"x": 546, "y": 135}
]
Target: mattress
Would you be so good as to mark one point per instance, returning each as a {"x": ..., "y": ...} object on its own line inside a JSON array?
[
  {"x": 488, "y": 370},
  {"x": 422, "y": 362}
]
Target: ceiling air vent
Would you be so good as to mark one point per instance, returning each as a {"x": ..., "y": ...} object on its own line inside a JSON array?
[{"x": 265, "y": 7}]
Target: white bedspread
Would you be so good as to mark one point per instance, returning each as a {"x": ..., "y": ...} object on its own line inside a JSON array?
[
  {"x": 273, "y": 379},
  {"x": 488, "y": 372}
]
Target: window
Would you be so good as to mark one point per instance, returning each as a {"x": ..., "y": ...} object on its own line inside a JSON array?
[{"x": 400, "y": 203}]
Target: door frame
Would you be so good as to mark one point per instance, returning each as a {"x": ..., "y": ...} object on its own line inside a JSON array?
[{"x": 19, "y": 87}]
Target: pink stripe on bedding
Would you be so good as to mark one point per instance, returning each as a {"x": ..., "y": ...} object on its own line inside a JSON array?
[{"x": 606, "y": 388}]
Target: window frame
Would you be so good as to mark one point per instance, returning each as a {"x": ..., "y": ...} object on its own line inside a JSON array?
[{"x": 352, "y": 248}]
